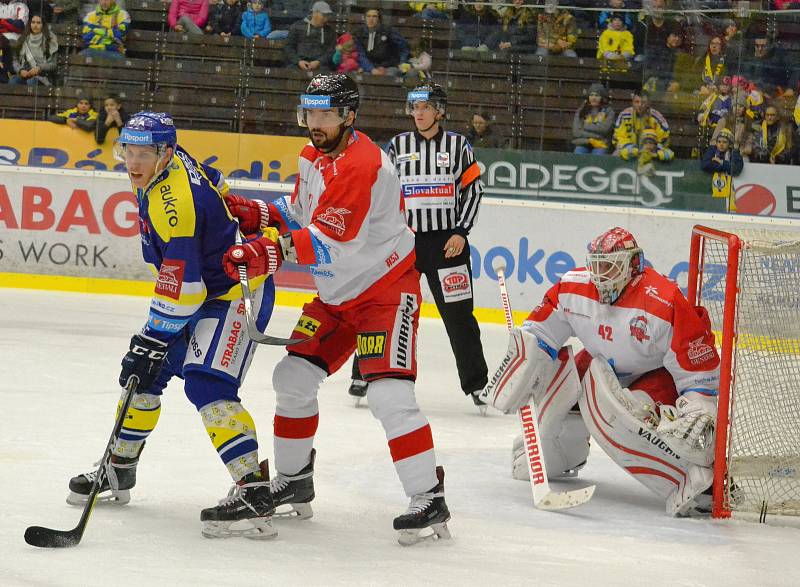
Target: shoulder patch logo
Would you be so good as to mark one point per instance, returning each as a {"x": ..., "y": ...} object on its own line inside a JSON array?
[
  {"x": 699, "y": 351},
  {"x": 334, "y": 219},
  {"x": 170, "y": 278}
]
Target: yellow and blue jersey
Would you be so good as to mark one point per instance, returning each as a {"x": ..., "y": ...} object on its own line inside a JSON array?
[{"x": 185, "y": 229}]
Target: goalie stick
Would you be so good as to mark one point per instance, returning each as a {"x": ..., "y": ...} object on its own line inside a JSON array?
[
  {"x": 543, "y": 497},
  {"x": 50, "y": 538},
  {"x": 252, "y": 329}
]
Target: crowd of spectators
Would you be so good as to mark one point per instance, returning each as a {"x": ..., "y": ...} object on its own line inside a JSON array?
[{"x": 738, "y": 74}]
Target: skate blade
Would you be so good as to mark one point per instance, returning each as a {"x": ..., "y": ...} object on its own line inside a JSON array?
[
  {"x": 118, "y": 497},
  {"x": 253, "y": 528},
  {"x": 433, "y": 533},
  {"x": 301, "y": 511}
]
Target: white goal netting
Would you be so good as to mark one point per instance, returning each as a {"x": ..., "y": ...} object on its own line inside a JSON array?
[{"x": 764, "y": 440}]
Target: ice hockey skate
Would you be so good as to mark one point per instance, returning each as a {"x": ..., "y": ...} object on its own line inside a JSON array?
[
  {"x": 246, "y": 511},
  {"x": 115, "y": 487},
  {"x": 294, "y": 491},
  {"x": 426, "y": 517},
  {"x": 479, "y": 403},
  {"x": 358, "y": 391}
]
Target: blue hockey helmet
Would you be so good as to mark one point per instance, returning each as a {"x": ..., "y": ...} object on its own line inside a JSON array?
[{"x": 146, "y": 128}]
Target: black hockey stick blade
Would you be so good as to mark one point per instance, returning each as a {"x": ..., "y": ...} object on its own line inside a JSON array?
[{"x": 49, "y": 538}]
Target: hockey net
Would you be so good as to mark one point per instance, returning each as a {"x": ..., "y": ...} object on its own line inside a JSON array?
[{"x": 749, "y": 281}]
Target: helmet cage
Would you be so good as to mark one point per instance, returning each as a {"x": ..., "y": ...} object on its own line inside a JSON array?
[{"x": 611, "y": 272}]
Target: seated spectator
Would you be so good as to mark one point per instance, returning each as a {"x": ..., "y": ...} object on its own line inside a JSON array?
[
  {"x": 738, "y": 123},
  {"x": 431, "y": 10},
  {"x": 716, "y": 105},
  {"x": 255, "y": 21},
  {"x": 711, "y": 66},
  {"x": 189, "y": 16},
  {"x": 615, "y": 7},
  {"x": 419, "y": 63},
  {"x": 633, "y": 121},
  {"x": 651, "y": 151},
  {"x": 517, "y": 29},
  {"x": 104, "y": 31},
  {"x": 772, "y": 140},
  {"x": 345, "y": 56},
  {"x": 733, "y": 41},
  {"x": 82, "y": 116},
  {"x": 765, "y": 65},
  {"x": 556, "y": 33},
  {"x": 381, "y": 49},
  {"x": 284, "y": 13},
  {"x": 475, "y": 27},
  {"x": 311, "y": 41},
  {"x": 115, "y": 117},
  {"x": 225, "y": 19},
  {"x": 667, "y": 65},
  {"x": 591, "y": 127},
  {"x": 616, "y": 43},
  {"x": 724, "y": 162},
  {"x": 36, "y": 55},
  {"x": 13, "y": 19},
  {"x": 481, "y": 135},
  {"x": 651, "y": 29},
  {"x": 755, "y": 102}
]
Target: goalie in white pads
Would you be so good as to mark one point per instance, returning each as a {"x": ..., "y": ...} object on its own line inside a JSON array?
[{"x": 645, "y": 384}]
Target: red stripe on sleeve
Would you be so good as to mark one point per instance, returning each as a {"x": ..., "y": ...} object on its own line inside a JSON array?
[
  {"x": 302, "y": 244},
  {"x": 472, "y": 173},
  {"x": 411, "y": 444},
  {"x": 296, "y": 428}
]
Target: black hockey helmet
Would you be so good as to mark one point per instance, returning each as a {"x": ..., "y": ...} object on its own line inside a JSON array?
[
  {"x": 329, "y": 91},
  {"x": 427, "y": 92}
]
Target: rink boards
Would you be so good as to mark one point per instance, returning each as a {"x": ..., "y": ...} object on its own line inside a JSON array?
[{"x": 78, "y": 231}]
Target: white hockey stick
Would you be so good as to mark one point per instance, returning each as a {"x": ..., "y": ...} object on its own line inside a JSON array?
[{"x": 543, "y": 497}]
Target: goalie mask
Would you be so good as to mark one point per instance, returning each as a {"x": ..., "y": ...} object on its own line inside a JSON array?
[{"x": 614, "y": 258}]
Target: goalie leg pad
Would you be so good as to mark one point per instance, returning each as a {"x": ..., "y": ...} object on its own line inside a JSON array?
[
  {"x": 527, "y": 369},
  {"x": 618, "y": 421},
  {"x": 563, "y": 435}
]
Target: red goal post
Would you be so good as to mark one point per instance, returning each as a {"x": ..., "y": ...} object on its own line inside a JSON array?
[{"x": 749, "y": 281}]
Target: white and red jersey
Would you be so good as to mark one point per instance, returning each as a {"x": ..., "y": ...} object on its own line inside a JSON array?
[
  {"x": 651, "y": 325},
  {"x": 346, "y": 220}
]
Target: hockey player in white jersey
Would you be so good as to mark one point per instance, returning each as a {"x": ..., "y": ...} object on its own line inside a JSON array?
[
  {"x": 645, "y": 383},
  {"x": 345, "y": 220}
]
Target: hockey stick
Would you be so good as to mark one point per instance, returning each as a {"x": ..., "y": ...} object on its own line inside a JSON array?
[
  {"x": 543, "y": 497},
  {"x": 252, "y": 329},
  {"x": 49, "y": 538}
]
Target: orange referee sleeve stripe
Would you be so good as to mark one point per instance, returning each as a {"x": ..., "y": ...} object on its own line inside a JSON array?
[{"x": 472, "y": 173}]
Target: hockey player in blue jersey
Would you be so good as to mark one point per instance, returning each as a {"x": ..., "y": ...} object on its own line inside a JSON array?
[{"x": 196, "y": 328}]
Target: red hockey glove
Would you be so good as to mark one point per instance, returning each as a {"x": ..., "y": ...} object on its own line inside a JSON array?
[
  {"x": 252, "y": 214},
  {"x": 261, "y": 256}
]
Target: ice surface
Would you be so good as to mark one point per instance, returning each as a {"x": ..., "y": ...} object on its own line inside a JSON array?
[{"x": 59, "y": 361}]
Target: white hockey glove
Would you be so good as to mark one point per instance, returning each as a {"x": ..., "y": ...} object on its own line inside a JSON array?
[
  {"x": 526, "y": 367},
  {"x": 688, "y": 427}
]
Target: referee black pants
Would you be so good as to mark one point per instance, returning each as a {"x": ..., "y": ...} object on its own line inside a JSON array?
[{"x": 461, "y": 325}]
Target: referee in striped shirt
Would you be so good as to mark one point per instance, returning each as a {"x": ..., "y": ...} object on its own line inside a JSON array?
[{"x": 442, "y": 191}]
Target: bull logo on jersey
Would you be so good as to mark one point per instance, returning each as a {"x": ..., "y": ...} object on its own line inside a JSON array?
[
  {"x": 699, "y": 351},
  {"x": 333, "y": 218},
  {"x": 640, "y": 329},
  {"x": 170, "y": 278}
]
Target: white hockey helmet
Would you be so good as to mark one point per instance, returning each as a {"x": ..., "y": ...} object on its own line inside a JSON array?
[{"x": 613, "y": 260}]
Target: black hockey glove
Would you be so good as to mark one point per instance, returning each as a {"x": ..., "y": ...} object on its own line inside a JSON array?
[{"x": 144, "y": 359}]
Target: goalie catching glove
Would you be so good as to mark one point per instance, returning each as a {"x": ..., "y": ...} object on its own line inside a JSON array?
[
  {"x": 527, "y": 366},
  {"x": 688, "y": 427},
  {"x": 261, "y": 256},
  {"x": 253, "y": 215}
]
